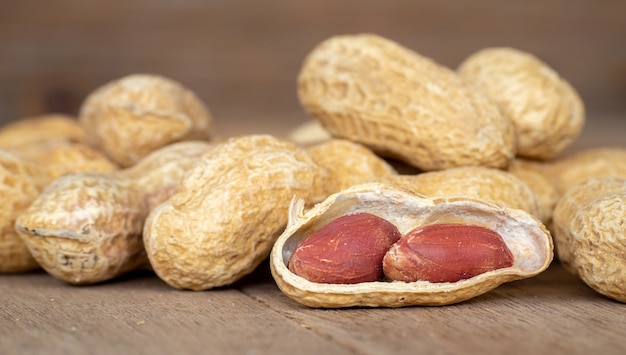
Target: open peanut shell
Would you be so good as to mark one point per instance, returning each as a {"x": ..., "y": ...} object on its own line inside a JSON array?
[{"x": 526, "y": 237}]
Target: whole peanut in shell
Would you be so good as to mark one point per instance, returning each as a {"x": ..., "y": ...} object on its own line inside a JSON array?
[
  {"x": 86, "y": 227},
  {"x": 546, "y": 110},
  {"x": 590, "y": 234},
  {"x": 222, "y": 220},
  {"x": 132, "y": 116},
  {"x": 373, "y": 91},
  {"x": 25, "y": 170}
]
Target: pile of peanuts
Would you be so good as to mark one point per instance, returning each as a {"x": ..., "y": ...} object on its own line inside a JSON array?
[{"x": 138, "y": 179}]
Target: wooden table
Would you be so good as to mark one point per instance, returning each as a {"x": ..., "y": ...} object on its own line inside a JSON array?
[{"x": 552, "y": 313}]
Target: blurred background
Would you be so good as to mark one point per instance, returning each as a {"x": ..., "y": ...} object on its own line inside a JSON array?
[{"x": 242, "y": 57}]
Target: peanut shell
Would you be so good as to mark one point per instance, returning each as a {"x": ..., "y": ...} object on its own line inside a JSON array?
[
  {"x": 86, "y": 227},
  {"x": 546, "y": 110},
  {"x": 229, "y": 209},
  {"x": 526, "y": 237},
  {"x": 347, "y": 164},
  {"x": 26, "y": 131},
  {"x": 132, "y": 116},
  {"x": 580, "y": 166},
  {"x": 373, "y": 91},
  {"x": 477, "y": 182},
  {"x": 590, "y": 234}
]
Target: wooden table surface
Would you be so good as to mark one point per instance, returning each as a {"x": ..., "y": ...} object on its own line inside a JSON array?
[{"x": 552, "y": 313}]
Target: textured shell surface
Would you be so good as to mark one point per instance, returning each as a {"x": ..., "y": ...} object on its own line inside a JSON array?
[
  {"x": 472, "y": 181},
  {"x": 348, "y": 163},
  {"x": 86, "y": 227},
  {"x": 19, "y": 186},
  {"x": 590, "y": 234},
  {"x": 546, "y": 110},
  {"x": 29, "y": 130},
  {"x": 371, "y": 90},
  {"x": 134, "y": 115},
  {"x": 528, "y": 240},
  {"x": 224, "y": 217},
  {"x": 589, "y": 163}
]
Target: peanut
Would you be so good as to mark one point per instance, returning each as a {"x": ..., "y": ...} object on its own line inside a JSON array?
[
  {"x": 24, "y": 173},
  {"x": 546, "y": 110},
  {"x": 86, "y": 227},
  {"x": 373, "y": 91},
  {"x": 348, "y": 250},
  {"x": 130, "y": 117},
  {"x": 446, "y": 253},
  {"x": 221, "y": 222},
  {"x": 523, "y": 235},
  {"x": 590, "y": 234}
]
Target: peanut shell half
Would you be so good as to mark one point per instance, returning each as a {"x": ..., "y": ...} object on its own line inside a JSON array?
[{"x": 528, "y": 240}]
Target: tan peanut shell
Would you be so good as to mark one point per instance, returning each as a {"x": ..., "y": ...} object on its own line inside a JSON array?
[
  {"x": 546, "y": 110},
  {"x": 86, "y": 227},
  {"x": 308, "y": 133},
  {"x": 132, "y": 116},
  {"x": 590, "y": 234},
  {"x": 348, "y": 163},
  {"x": 373, "y": 91},
  {"x": 580, "y": 166},
  {"x": 229, "y": 209},
  {"x": 26, "y": 131},
  {"x": 476, "y": 182},
  {"x": 20, "y": 183},
  {"x": 535, "y": 174},
  {"x": 526, "y": 237},
  {"x": 25, "y": 172}
]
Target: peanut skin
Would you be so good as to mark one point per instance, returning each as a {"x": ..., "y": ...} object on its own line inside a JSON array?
[
  {"x": 348, "y": 250},
  {"x": 446, "y": 253}
]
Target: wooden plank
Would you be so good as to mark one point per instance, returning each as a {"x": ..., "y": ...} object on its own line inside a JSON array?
[
  {"x": 553, "y": 313},
  {"x": 139, "y": 314}
]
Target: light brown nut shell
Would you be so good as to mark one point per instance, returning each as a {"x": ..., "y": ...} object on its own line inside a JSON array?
[
  {"x": 373, "y": 91},
  {"x": 309, "y": 133},
  {"x": 536, "y": 175},
  {"x": 86, "y": 227},
  {"x": 476, "y": 182},
  {"x": 20, "y": 183},
  {"x": 137, "y": 114},
  {"x": 546, "y": 110},
  {"x": 524, "y": 235},
  {"x": 26, "y": 131},
  {"x": 223, "y": 219},
  {"x": 590, "y": 234},
  {"x": 348, "y": 164},
  {"x": 59, "y": 157},
  {"x": 580, "y": 166},
  {"x": 44, "y": 160}
]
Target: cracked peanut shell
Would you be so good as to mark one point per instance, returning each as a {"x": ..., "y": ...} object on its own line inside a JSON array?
[{"x": 525, "y": 236}]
